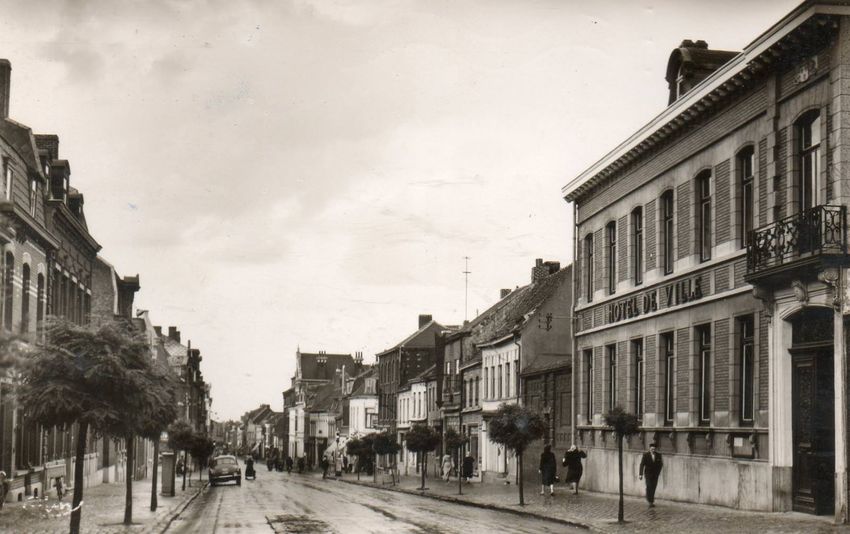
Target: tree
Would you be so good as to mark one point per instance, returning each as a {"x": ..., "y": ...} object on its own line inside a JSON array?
[
  {"x": 422, "y": 439},
  {"x": 454, "y": 442},
  {"x": 181, "y": 438},
  {"x": 384, "y": 444},
  {"x": 363, "y": 449},
  {"x": 202, "y": 447},
  {"x": 624, "y": 424},
  {"x": 79, "y": 375},
  {"x": 515, "y": 427},
  {"x": 163, "y": 413}
]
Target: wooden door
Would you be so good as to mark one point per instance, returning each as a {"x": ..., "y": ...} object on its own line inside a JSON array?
[{"x": 813, "y": 431}]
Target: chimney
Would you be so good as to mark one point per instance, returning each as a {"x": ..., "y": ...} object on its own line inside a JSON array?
[
  {"x": 5, "y": 87},
  {"x": 543, "y": 269},
  {"x": 174, "y": 334},
  {"x": 50, "y": 143},
  {"x": 424, "y": 319},
  {"x": 158, "y": 330},
  {"x": 358, "y": 358},
  {"x": 689, "y": 64},
  {"x": 504, "y": 293}
]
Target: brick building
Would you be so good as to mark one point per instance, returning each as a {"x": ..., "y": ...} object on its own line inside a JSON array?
[{"x": 710, "y": 262}]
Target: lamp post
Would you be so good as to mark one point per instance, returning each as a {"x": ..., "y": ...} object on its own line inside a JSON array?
[{"x": 337, "y": 470}]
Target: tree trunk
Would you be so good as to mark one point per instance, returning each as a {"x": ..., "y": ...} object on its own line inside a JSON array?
[
  {"x": 620, "y": 454},
  {"x": 459, "y": 469},
  {"x": 519, "y": 472},
  {"x": 128, "y": 495},
  {"x": 76, "y": 508},
  {"x": 185, "y": 467},
  {"x": 154, "y": 477},
  {"x": 422, "y": 462}
]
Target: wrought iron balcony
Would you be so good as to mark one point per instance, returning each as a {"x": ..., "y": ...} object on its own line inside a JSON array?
[{"x": 813, "y": 236}]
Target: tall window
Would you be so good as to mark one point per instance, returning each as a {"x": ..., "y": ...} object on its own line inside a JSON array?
[
  {"x": 808, "y": 133},
  {"x": 611, "y": 232},
  {"x": 667, "y": 231},
  {"x": 588, "y": 391},
  {"x": 25, "y": 299},
  {"x": 746, "y": 158},
  {"x": 703, "y": 335},
  {"x": 746, "y": 348},
  {"x": 588, "y": 267},
  {"x": 637, "y": 350},
  {"x": 637, "y": 245},
  {"x": 703, "y": 184},
  {"x": 499, "y": 391},
  {"x": 7, "y": 178},
  {"x": 669, "y": 363},
  {"x": 39, "y": 313},
  {"x": 8, "y": 289},
  {"x": 33, "y": 196},
  {"x": 612, "y": 375}
]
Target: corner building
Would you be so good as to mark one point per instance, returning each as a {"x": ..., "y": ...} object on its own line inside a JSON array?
[{"x": 711, "y": 276}]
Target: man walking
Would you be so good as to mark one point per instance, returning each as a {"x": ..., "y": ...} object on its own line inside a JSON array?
[{"x": 650, "y": 466}]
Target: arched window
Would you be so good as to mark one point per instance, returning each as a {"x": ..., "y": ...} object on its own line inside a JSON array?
[
  {"x": 745, "y": 161},
  {"x": 667, "y": 231},
  {"x": 808, "y": 149},
  {"x": 8, "y": 289},
  {"x": 25, "y": 299},
  {"x": 703, "y": 190}
]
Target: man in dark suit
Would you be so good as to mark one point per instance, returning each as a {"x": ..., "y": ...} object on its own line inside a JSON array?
[{"x": 650, "y": 466}]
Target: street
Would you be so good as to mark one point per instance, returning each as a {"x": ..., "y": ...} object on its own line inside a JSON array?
[{"x": 278, "y": 502}]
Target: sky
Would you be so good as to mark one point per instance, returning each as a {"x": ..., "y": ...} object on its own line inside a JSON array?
[{"x": 312, "y": 173}]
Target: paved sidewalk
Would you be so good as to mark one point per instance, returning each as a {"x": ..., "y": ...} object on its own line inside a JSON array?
[
  {"x": 103, "y": 510},
  {"x": 598, "y": 511}
]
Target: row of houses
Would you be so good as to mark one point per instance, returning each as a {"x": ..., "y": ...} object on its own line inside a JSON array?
[
  {"x": 710, "y": 276},
  {"x": 51, "y": 265}
]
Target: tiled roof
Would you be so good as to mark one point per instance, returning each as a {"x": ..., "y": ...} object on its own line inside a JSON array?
[
  {"x": 311, "y": 369},
  {"x": 425, "y": 375},
  {"x": 359, "y": 386},
  {"x": 323, "y": 398},
  {"x": 21, "y": 139},
  {"x": 177, "y": 353},
  {"x": 546, "y": 362},
  {"x": 417, "y": 337},
  {"x": 514, "y": 308}
]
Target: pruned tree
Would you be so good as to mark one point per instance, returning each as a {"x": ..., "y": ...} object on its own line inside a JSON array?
[
  {"x": 515, "y": 427},
  {"x": 201, "y": 449},
  {"x": 386, "y": 444},
  {"x": 181, "y": 438},
  {"x": 623, "y": 424},
  {"x": 454, "y": 442},
  {"x": 163, "y": 413},
  {"x": 80, "y": 376},
  {"x": 362, "y": 448},
  {"x": 422, "y": 439}
]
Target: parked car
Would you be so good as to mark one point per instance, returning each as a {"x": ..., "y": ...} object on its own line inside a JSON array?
[{"x": 223, "y": 469}]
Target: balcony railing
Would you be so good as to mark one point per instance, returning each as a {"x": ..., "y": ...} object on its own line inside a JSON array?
[{"x": 811, "y": 233}]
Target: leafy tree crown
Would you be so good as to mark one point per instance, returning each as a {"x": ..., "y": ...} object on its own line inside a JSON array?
[
  {"x": 422, "y": 438},
  {"x": 624, "y": 423},
  {"x": 515, "y": 427}
]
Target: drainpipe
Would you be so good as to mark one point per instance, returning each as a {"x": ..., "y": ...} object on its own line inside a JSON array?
[{"x": 574, "y": 326}]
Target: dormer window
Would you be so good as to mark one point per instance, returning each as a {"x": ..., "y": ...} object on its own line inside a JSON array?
[
  {"x": 7, "y": 178},
  {"x": 33, "y": 195}
]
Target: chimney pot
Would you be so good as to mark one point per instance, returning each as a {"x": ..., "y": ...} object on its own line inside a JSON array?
[
  {"x": 424, "y": 319},
  {"x": 504, "y": 293},
  {"x": 174, "y": 334},
  {"x": 158, "y": 330}
]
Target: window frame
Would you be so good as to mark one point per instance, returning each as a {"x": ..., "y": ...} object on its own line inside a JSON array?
[
  {"x": 639, "y": 384},
  {"x": 668, "y": 344},
  {"x": 611, "y": 354},
  {"x": 809, "y": 122},
  {"x": 746, "y": 159},
  {"x": 745, "y": 325},
  {"x": 703, "y": 351},
  {"x": 588, "y": 370},
  {"x": 611, "y": 242},
  {"x": 667, "y": 231},
  {"x": 637, "y": 245},
  {"x": 704, "y": 230}
]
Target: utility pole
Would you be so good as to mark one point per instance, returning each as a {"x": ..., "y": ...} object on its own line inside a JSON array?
[{"x": 466, "y": 273}]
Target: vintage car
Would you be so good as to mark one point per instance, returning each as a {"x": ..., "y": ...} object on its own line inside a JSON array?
[{"x": 224, "y": 469}]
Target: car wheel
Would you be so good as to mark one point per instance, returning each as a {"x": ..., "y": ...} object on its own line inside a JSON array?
[
  {"x": 238, "y": 481},
  {"x": 212, "y": 483}
]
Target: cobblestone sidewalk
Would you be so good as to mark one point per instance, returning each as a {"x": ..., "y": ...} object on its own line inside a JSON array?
[
  {"x": 598, "y": 511},
  {"x": 103, "y": 511}
]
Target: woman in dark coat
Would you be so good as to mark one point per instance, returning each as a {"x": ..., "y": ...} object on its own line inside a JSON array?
[
  {"x": 468, "y": 465},
  {"x": 547, "y": 470},
  {"x": 572, "y": 461}
]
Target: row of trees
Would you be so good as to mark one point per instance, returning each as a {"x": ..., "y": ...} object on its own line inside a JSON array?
[
  {"x": 514, "y": 427},
  {"x": 97, "y": 380}
]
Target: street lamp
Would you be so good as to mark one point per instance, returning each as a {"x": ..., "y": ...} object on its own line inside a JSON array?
[{"x": 337, "y": 471}]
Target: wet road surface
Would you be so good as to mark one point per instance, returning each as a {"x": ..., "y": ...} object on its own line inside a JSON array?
[{"x": 277, "y": 502}]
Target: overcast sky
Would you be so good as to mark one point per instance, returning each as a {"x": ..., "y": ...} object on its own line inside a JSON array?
[{"x": 285, "y": 173}]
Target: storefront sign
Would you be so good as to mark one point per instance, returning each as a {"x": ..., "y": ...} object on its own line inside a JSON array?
[{"x": 680, "y": 292}]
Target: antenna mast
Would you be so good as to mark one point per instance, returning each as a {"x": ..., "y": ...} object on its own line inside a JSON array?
[{"x": 466, "y": 272}]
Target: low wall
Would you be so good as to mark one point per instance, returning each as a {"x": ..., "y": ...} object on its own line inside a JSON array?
[{"x": 741, "y": 484}]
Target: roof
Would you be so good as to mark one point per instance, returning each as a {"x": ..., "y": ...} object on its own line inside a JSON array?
[
  {"x": 729, "y": 80},
  {"x": 310, "y": 368},
  {"x": 426, "y": 375},
  {"x": 541, "y": 363},
  {"x": 21, "y": 139},
  {"x": 178, "y": 354},
  {"x": 517, "y": 305},
  {"x": 418, "y": 337},
  {"x": 359, "y": 386},
  {"x": 323, "y": 398}
]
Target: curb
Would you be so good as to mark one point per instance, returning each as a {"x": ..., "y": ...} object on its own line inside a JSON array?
[
  {"x": 474, "y": 504},
  {"x": 182, "y": 507}
]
